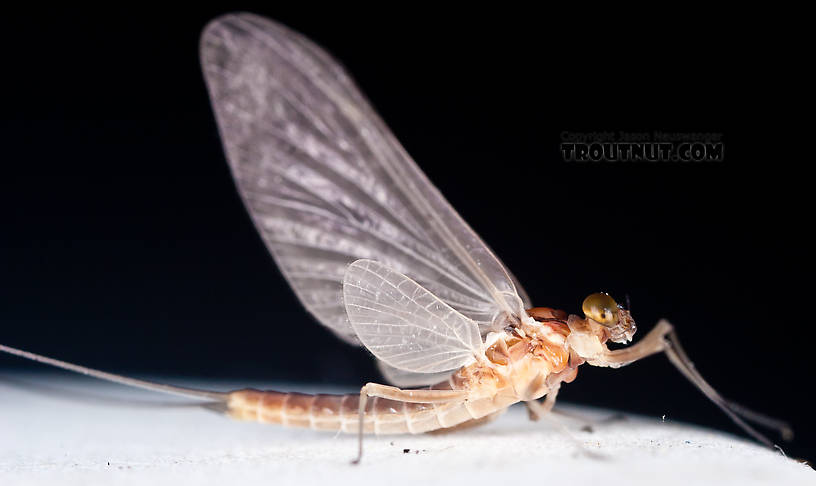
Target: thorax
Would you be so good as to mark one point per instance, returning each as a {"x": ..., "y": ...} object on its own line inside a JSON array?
[{"x": 522, "y": 361}]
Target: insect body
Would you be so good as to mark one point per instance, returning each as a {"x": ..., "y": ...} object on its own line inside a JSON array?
[
  {"x": 521, "y": 364},
  {"x": 524, "y": 362},
  {"x": 376, "y": 254}
]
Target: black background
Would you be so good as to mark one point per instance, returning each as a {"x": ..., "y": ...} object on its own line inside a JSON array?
[{"x": 124, "y": 245}]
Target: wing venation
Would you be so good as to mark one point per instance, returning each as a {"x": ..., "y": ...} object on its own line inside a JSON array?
[
  {"x": 404, "y": 325},
  {"x": 326, "y": 183}
]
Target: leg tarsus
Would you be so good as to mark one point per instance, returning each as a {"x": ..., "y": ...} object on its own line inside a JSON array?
[
  {"x": 469, "y": 424},
  {"x": 532, "y": 413},
  {"x": 588, "y": 424},
  {"x": 664, "y": 338},
  {"x": 536, "y": 410},
  {"x": 533, "y": 410},
  {"x": 361, "y": 423}
]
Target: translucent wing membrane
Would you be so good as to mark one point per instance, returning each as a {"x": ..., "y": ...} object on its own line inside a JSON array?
[
  {"x": 408, "y": 379},
  {"x": 326, "y": 183},
  {"x": 403, "y": 324}
]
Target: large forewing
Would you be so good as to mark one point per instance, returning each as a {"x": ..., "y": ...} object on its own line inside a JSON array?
[
  {"x": 404, "y": 325},
  {"x": 326, "y": 183}
]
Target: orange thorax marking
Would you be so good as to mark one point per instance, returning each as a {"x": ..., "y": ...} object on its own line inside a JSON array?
[{"x": 551, "y": 349}]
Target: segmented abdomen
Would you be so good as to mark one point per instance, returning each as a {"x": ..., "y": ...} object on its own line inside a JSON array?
[{"x": 340, "y": 412}]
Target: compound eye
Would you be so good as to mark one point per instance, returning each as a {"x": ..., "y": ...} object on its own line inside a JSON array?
[{"x": 601, "y": 308}]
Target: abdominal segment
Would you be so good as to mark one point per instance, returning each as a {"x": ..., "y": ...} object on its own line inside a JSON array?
[{"x": 340, "y": 412}]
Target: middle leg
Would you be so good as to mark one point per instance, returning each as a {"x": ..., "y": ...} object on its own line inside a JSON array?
[{"x": 536, "y": 409}]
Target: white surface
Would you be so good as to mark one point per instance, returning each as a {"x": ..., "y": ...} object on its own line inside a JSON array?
[{"x": 72, "y": 430}]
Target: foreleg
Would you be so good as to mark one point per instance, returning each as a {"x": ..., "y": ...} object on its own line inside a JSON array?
[
  {"x": 652, "y": 343},
  {"x": 664, "y": 338}
]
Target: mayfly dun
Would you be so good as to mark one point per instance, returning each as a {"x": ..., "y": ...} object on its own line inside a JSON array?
[{"x": 376, "y": 254}]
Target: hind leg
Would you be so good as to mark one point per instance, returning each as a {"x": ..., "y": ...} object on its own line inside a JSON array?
[
  {"x": 469, "y": 424},
  {"x": 400, "y": 395},
  {"x": 588, "y": 423}
]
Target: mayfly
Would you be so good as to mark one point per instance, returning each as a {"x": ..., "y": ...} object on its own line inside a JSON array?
[{"x": 376, "y": 254}]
